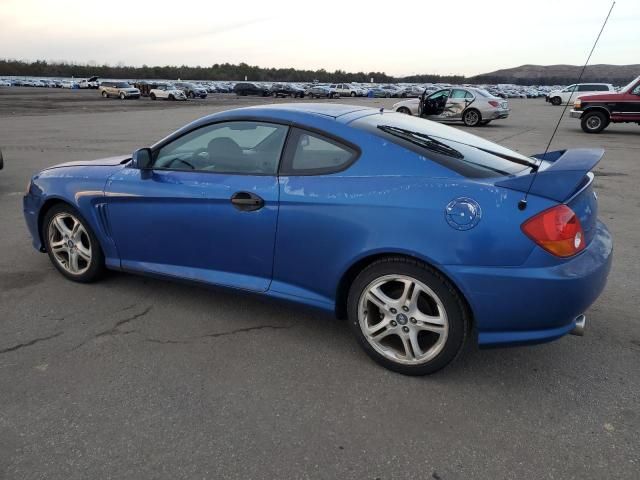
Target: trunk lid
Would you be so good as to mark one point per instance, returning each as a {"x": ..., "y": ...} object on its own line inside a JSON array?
[{"x": 565, "y": 176}]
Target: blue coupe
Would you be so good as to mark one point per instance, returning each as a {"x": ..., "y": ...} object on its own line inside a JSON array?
[{"x": 421, "y": 235}]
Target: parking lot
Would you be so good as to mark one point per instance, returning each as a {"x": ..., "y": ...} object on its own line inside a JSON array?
[{"x": 135, "y": 377}]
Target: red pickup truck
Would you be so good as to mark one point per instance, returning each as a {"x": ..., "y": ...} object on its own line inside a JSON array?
[{"x": 596, "y": 112}]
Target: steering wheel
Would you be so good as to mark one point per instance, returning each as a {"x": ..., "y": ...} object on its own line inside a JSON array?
[{"x": 181, "y": 161}]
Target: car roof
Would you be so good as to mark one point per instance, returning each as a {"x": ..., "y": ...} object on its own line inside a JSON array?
[{"x": 333, "y": 110}]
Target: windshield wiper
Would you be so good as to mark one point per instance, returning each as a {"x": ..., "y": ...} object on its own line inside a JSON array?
[
  {"x": 417, "y": 138},
  {"x": 422, "y": 141}
]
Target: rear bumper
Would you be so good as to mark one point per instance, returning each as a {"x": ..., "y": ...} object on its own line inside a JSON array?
[
  {"x": 534, "y": 303},
  {"x": 576, "y": 113},
  {"x": 497, "y": 115}
]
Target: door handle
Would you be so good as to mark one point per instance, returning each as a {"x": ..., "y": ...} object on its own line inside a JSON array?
[{"x": 247, "y": 201}]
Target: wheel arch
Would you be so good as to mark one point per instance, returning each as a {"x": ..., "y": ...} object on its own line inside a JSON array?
[
  {"x": 350, "y": 274},
  {"x": 597, "y": 108}
]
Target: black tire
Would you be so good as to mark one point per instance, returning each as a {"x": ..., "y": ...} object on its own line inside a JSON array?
[
  {"x": 171, "y": 97},
  {"x": 471, "y": 117},
  {"x": 152, "y": 96},
  {"x": 556, "y": 101},
  {"x": 122, "y": 96},
  {"x": 353, "y": 94},
  {"x": 404, "y": 110},
  {"x": 594, "y": 122},
  {"x": 458, "y": 317},
  {"x": 104, "y": 94},
  {"x": 192, "y": 95},
  {"x": 275, "y": 95},
  {"x": 95, "y": 266}
]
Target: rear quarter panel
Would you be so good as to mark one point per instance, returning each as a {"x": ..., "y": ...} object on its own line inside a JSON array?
[{"x": 327, "y": 223}]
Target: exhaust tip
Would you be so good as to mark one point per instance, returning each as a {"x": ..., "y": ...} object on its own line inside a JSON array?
[{"x": 581, "y": 323}]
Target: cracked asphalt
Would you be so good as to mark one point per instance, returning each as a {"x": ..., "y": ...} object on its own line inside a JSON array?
[{"x": 139, "y": 378}]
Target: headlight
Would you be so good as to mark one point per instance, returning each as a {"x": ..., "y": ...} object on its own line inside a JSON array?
[{"x": 577, "y": 104}]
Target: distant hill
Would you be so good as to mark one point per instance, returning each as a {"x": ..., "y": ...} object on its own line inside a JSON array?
[{"x": 560, "y": 74}]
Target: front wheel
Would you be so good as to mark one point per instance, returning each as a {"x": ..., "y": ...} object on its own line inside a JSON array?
[
  {"x": 152, "y": 96},
  {"x": 407, "y": 316},
  {"x": 404, "y": 110},
  {"x": 104, "y": 94},
  {"x": 594, "y": 122},
  {"x": 71, "y": 244},
  {"x": 122, "y": 96},
  {"x": 556, "y": 101},
  {"x": 471, "y": 118}
]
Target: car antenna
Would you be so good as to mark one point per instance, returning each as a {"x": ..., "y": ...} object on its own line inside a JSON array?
[{"x": 522, "y": 204}]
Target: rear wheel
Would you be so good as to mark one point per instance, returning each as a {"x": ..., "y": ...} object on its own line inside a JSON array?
[
  {"x": 104, "y": 94},
  {"x": 152, "y": 96},
  {"x": 192, "y": 95},
  {"x": 594, "y": 122},
  {"x": 406, "y": 316},
  {"x": 171, "y": 97},
  {"x": 71, "y": 244},
  {"x": 471, "y": 117},
  {"x": 556, "y": 101},
  {"x": 353, "y": 94},
  {"x": 404, "y": 110}
]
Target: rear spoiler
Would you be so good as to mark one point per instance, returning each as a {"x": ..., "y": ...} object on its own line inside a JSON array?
[{"x": 561, "y": 178}]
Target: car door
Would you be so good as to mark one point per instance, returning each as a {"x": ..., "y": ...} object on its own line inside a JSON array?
[
  {"x": 456, "y": 104},
  {"x": 207, "y": 209},
  {"x": 433, "y": 105}
]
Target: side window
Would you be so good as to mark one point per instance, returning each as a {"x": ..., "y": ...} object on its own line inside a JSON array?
[
  {"x": 457, "y": 93},
  {"x": 250, "y": 148},
  {"x": 441, "y": 93},
  {"x": 588, "y": 88},
  {"x": 570, "y": 88},
  {"x": 468, "y": 95},
  {"x": 312, "y": 154}
]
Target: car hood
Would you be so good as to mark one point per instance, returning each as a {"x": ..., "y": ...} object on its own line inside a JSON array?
[
  {"x": 102, "y": 162},
  {"x": 598, "y": 96}
]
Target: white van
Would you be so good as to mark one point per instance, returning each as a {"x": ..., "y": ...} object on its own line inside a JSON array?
[{"x": 570, "y": 93}]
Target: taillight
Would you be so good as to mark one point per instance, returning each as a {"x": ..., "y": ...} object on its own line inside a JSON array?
[
  {"x": 493, "y": 103},
  {"x": 557, "y": 230}
]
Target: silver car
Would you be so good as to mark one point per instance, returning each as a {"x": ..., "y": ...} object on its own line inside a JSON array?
[{"x": 472, "y": 106}]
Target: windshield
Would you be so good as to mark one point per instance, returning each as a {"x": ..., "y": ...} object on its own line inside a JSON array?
[
  {"x": 123, "y": 85},
  {"x": 630, "y": 85},
  {"x": 466, "y": 154},
  {"x": 484, "y": 93}
]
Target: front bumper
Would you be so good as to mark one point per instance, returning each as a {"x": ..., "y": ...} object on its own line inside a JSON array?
[
  {"x": 538, "y": 301},
  {"x": 576, "y": 113}
]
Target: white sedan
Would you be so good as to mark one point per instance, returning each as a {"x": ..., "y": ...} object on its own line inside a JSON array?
[{"x": 167, "y": 92}]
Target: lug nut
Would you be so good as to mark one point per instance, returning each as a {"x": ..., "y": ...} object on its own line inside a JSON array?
[
  {"x": 412, "y": 320},
  {"x": 405, "y": 329},
  {"x": 405, "y": 308},
  {"x": 393, "y": 323},
  {"x": 393, "y": 310}
]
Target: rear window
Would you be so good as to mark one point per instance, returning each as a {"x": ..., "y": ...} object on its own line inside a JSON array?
[{"x": 459, "y": 151}]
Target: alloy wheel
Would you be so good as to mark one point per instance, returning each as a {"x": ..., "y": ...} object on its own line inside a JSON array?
[
  {"x": 69, "y": 243},
  {"x": 403, "y": 319}
]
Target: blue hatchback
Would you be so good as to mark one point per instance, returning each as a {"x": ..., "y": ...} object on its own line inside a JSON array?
[{"x": 422, "y": 235}]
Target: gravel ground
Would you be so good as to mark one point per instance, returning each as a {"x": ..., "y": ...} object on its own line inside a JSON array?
[{"x": 140, "y": 378}]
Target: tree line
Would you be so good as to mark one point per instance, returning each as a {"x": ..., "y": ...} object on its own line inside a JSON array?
[
  {"x": 233, "y": 72},
  {"x": 217, "y": 71}
]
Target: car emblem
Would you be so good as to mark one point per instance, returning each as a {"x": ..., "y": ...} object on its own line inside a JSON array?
[{"x": 463, "y": 213}]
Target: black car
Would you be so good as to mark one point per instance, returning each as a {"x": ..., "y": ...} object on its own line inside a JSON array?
[
  {"x": 286, "y": 90},
  {"x": 191, "y": 90},
  {"x": 250, "y": 88}
]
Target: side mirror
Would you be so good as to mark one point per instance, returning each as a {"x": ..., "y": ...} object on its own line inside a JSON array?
[{"x": 142, "y": 159}]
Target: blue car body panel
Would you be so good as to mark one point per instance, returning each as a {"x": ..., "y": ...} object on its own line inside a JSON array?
[{"x": 313, "y": 229}]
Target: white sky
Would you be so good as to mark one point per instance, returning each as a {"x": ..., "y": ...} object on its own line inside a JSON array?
[{"x": 398, "y": 37}]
